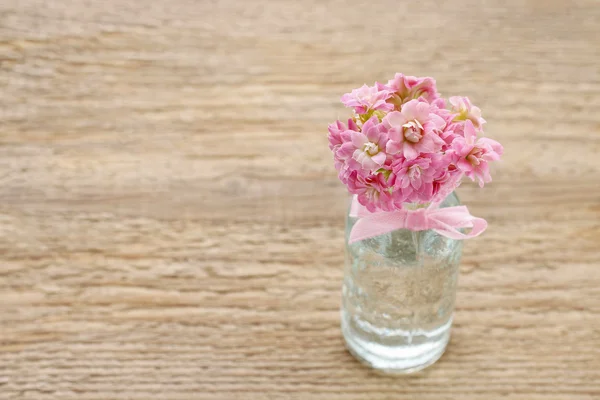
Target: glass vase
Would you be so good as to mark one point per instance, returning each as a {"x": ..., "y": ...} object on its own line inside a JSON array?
[{"x": 398, "y": 297}]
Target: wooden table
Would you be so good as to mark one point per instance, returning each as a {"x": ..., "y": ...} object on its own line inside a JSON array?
[{"x": 171, "y": 222}]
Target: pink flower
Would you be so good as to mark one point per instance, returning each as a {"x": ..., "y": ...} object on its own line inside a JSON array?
[
  {"x": 450, "y": 132},
  {"x": 446, "y": 173},
  {"x": 440, "y": 103},
  {"x": 368, "y": 98},
  {"x": 472, "y": 157},
  {"x": 367, "y": 148},
  {"x": 338, "y": 135},
  {"x": 406, "y": 144},
  {"x": 406, "y": 88},
  {"x": 464, "y": 110},
  {"x": 414, "y": 130},
  {"x": 335, "y": 137},
  {"x": 414, "y": 178},
  {"x": 344, "y": 171},
  {"x": 373, "y": 191}
]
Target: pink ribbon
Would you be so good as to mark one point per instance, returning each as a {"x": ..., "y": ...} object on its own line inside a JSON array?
[{"x": 445, "y": 221}]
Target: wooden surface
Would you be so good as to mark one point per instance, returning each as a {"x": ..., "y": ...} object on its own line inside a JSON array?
[{"x": 171, "y": 222}]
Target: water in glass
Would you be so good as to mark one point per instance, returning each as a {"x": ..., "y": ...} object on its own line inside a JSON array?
[{"x": 398, "y": 297}]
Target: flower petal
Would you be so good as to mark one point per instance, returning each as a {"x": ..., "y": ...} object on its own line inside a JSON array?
[
  {"x": 395, "y": 134},
  {"x": 430, "y": 143},
  {"x": 352, "y": 125},
  {"x": 422, "y": 111},
  {"x": 470, "y": 134},
  {"x": 495, "y": 146},
  {"x": 438, "y": 121},
  {"x": 345, "y": 151},
  {"x": 416, "y": 183},
  {"x": 404, "y": 182},
  {"x": 359, "y": 139},
  {"x": 409, "y": 110},
  {"x": 368, "y": 163},
  {"x": 393, "y": 147},
  {"x": 346, "y": 136},
  {"x": 464, "y": 165},
  {"x": 409, "y": 151},
  {"x": 373, "y": 134},
  {"x": 394, "y": 119},
  {"x": 426, "y": 191},
  {"x": 379, "y": 158}
]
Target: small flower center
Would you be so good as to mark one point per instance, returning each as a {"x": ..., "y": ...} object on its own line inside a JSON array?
[
  {"x": 413, "y": 131},
  {"x": 372, "y": 192},
  {"x": 414, "y": 172},
  {"x": 475, "y": 156},
  {"x": 371, "y": 148}
]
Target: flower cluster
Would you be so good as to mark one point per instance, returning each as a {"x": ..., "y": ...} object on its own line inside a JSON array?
[{"x": 404, "y": 142}]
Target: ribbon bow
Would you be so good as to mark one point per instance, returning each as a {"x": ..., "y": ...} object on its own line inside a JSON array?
[{"x": 445, "y": 221}]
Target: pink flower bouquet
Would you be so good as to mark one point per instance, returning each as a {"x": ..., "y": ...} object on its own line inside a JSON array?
[{"x": 406, "y": 144}]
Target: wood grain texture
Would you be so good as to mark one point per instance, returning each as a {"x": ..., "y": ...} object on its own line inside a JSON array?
[{"x": 171, "y": 222}]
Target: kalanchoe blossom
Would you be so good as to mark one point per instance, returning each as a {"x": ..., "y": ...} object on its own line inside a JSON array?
[
  {"x": 367, "y": 148},
  {"x": 464, "y": 110},
  {"x": 405, "y": 143},
  {"x": 414, "y": 178},
  {"x": 368, "y": 98},
  {"x": 344, "y": 172},
  {"x": 335, "y": 139},
  {"x": 407, "y": 88},
  {"x": 450, "y": 132},
  {"x": 446, "y": 172},
  {"x": 338, "y": 135},
  {"x": 472, "y": 156},
  {"x": 440, "y": 103},
  {"x": 337, "y": 131},
  {"x": 373, "y": 190},
  {"x": 451, "y": 129},
  {"x": 414, "y": 130}
]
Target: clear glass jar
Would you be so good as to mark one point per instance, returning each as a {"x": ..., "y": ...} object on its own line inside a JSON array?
[{"x": 398, "y": 297}]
